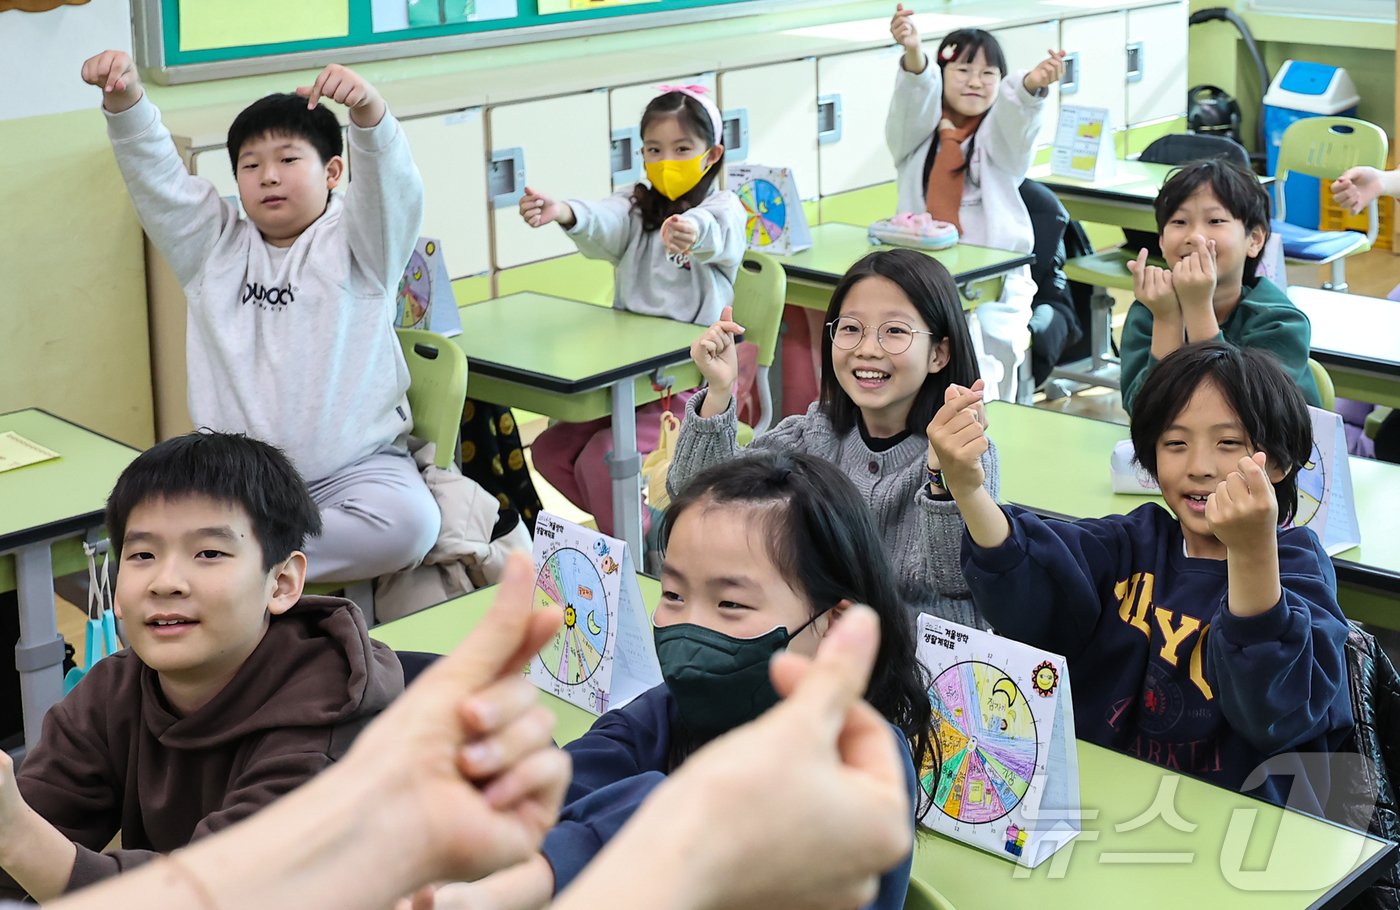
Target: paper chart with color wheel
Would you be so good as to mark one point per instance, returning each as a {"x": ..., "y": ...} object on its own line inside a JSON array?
[{"x": 765, "y": 212}]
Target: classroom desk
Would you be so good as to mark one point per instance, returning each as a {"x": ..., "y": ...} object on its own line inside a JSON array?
[
  {"x": 438, "y": 629},
  {"x": 1123, "y": 200},
  {"x": 45, "y": 509},
  {"x": 1057, "y": 465},
  {"x": 836, "y": 247},
  {"x": 1357, "y": 339},
  {"x": 1309, "y": 862},
  {"x": 577, "y": 361}
]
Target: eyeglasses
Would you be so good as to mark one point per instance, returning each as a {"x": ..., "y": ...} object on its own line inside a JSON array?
[{"x": 847, "y": 332}]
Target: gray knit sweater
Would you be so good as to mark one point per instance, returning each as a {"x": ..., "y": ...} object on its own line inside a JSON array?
[{"x": 923, "y": 535}]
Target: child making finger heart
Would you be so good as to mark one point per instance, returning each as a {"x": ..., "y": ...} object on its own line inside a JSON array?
[
  {"x": 675, "y": 242},
  {"x": 1209, "y": 640},
  {"x": 895, "y": 340},
  {"x": 1214, "y": 222}
]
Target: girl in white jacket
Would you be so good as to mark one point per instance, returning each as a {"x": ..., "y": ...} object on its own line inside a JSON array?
[{"x": 962, "y": 134}]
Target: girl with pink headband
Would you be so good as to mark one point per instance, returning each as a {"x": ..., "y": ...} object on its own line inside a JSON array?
[{"x": 675, "y": 243}]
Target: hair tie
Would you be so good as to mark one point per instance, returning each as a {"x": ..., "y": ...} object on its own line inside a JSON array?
[
  {"x": 701, "y": 94},
  {"x": 948, "y": 53}
]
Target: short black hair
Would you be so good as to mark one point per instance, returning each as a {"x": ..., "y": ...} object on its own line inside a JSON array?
[
  {"x": 934, "y": 294},
  {"x": 1236, "y": 188},
  {"x": 1269, "y": 403},
  {"x": 822, "y": 537},
  {"x": 229, "y": 468},
  {"x": 283, "y": 114}
]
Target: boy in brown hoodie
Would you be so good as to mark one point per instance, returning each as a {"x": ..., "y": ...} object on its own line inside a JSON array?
[{"x": 235, "y": 688}]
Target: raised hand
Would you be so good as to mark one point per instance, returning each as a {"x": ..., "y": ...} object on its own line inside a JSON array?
[
  {"x": 1243, "y": 511},
  {"x": 678, "y": 234},
  {"x": 1153, "y": 287},
  {"x": 1356, "y": 188},
  {"x": 538, "y": 209},
  {"x": 715, "y": 352},
  {"x": 1193, "y": 278},
  {"x": 903, "y": 30},
  {"x": 114, "y": 73},
  {"x": 1046, "y": 72},
  {"x": 347, "y": 87},
  {"x": 957, "y": 438}
]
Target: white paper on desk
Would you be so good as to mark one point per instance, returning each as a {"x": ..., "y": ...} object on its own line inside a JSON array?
[
  {"x": 774, "y": 220},
  {"x": 603, "y": 655},
  {"x": 1083, "y": 144},
  {"x": 1004, "y": 723},
  {"x": 425, "y": 299},
  {"x": 1325, "y": 500}
]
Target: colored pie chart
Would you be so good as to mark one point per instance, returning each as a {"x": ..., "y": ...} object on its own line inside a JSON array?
[
  {"x": 765, "y": 211},
  {"x": 568, "y": 580}
]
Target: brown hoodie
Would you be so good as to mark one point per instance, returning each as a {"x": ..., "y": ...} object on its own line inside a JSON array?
[{"x": 114, "y": 757}]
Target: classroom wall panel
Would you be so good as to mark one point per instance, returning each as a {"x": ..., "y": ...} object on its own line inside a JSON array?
[
  {"x": 451, "y": 155},
  {"x": 214, "y": 165},
  {"x": 779, "y": 101},
  {"x": 853, "y": 99},
  {"x": 1098, "y": 45},
  {"x": 625, "y": 106},
  {"x": 1025, "y": 46},
  {"x": 558, "y": 146},
  {"x": 1156, "y": 53}
]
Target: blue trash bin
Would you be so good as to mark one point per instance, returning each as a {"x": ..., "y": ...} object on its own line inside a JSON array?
[{"x": 1302, "y": 89}]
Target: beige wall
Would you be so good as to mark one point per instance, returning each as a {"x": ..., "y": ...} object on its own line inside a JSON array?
[{"x": 73, "y": 336}]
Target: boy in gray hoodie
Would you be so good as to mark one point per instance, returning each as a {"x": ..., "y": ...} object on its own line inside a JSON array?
[{"x": 290, "y": 308}]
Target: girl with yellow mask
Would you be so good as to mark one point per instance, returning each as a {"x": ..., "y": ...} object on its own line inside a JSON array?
[{"x": 675, "y": 243}]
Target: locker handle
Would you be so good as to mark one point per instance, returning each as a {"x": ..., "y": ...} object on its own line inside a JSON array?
[
  {"x": 828, "y": 119},
  {"x": 626, "y": 155},
  {"x": 735, "y": 126},
  {"x": 505, "y": 181},
  {"x": 1070, "y": 83},
  {"x": 1135, "y": 61}
]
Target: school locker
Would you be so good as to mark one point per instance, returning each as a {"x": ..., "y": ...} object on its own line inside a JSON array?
[
  {"x": 1096, "y": 75},
  {"x": 450, "y": 151},
  {"x": 558, "y": 146},
  {"x": 1024, "y": 47},
  {"x": 853, "y": 98},
  {"x": 626, "y": 104},
  {"x": 1156, "y": 63},
  {"x": 771, "y": 119}
]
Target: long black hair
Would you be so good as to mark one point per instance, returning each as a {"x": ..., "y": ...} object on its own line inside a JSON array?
[
  {"x": 647, "y": 201},
  {"x": 965, "y": 43},
  {"x": 1270, "y": 406},
  {"x": 822, "y": 538},
  {"x": 934, "y": 295}
]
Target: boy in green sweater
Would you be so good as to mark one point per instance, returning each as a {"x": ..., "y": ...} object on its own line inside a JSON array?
[{"x": 1213, "y": 218}]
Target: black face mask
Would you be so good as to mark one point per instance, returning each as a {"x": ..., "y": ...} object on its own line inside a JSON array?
[{"x": 719, "y": 681}]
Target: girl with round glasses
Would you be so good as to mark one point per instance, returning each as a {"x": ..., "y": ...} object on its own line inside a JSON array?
[{"x": 895, "y": 349}]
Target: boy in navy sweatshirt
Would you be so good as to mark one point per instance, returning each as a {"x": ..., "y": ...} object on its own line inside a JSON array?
[{"x": 1208, "y": 642}]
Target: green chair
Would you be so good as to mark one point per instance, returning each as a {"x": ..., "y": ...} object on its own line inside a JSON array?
[
  {"x": 759, "y": 292},
  {"x": 1375, "y": 419},
  {"x": 1101, "y": 271},
  {"x": 1325, "y": 389},
  {"x": 437, "y": 390},
  {"x": 922, "y": 896},
  {"x": 1325, "y": 147}
]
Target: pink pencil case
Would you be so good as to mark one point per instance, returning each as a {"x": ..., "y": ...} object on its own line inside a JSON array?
[{"x": 914, "y": 229}]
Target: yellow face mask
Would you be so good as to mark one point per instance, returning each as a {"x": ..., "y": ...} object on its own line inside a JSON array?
[{"x": 673, "y": 179}]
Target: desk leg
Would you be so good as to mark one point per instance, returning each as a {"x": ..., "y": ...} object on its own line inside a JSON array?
[
  {"x": 39, "y": 653},
  {"x": 625, "y": 466}
]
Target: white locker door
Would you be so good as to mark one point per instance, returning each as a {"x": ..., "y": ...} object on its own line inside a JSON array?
[
  {"x": 1097, "y": 73},
  {"x": 626, "y": 104},
  {"x": 450, "y": 152},
  {"x": 1025, "y": 46},
  {"x": 213, "y": 165},
  {"x": 1156, "y": 63},
  {"x": 558, "y": 146},
  {"x": 771, "y": 118},
  {"x": 853, "y": 99}
]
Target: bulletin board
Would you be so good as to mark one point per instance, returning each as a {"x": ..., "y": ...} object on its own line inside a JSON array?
[{"x": 190, "y": 40}]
